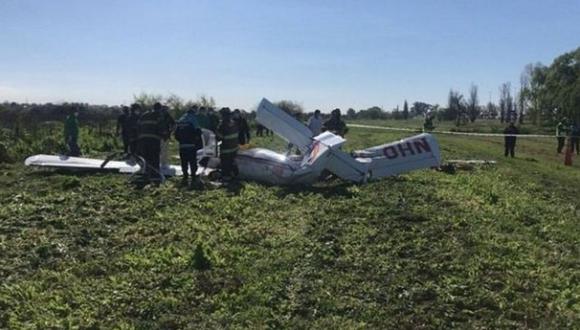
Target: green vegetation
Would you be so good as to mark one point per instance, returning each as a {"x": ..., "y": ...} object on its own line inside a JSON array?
[{"x": 494, "y": 247}]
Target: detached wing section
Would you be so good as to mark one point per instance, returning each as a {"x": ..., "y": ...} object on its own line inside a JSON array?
[
  {"x": 91, "y": 164},
  {"x": 78, "y": 163},
  {"x": 284, "y": 125}
]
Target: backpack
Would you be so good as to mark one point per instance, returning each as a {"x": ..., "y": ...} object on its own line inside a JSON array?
[
  {"x": 185, "y": 133},
  {"x": 181, "y": 131}
]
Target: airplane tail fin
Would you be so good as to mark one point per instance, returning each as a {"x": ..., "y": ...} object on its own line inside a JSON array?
[{"x": 416, "y": 152}]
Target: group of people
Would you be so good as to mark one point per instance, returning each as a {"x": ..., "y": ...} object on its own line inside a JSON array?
[
  {"x": 564, "y": 130},
  {"x": 147, "y": 134}
]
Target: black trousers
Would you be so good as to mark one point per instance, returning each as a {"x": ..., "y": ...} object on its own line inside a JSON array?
[
  {"x": 576, "y": 145},
  {"x": 126, "y": 142},
  {"x": 149, "y": 149},
  {"x": 561, "y": 143},
  {"x": 73, "y": 148},
  {"x": 133, "y": 144},
  {"x": 510, "y": 148},
  {"x": 228, "y": 165},
  {"x": 188, "y": 158}
]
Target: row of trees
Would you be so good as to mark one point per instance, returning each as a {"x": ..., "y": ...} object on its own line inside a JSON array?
[
  {"x": 546, "y": 94},
  {"x": 552, "y": 92},
  {"x": 24, "y": 116}
]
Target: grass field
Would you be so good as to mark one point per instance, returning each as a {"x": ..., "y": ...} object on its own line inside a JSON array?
[{"x": 492, "y": 247}]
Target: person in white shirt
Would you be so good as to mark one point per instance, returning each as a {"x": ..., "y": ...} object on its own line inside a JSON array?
[{"x": 315, "y": 123}]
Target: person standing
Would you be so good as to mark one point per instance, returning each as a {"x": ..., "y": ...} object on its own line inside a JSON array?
[
  {"x": 561, "y": 131},
  {"x": 188, "y": 134},
  {"x": 510, "y": 140},
  {"x": 243, "y": 127},
  {"x": 123, "y": 128},
  {"x": 202, "y": 118},
  {"x": 71, "y": 134},
  {"x": 428, "y": 123},
  {"x": 575, "y": 137},
  {"x": 213, "y": 119},
  {"x": 259, "y": 129},
  {"x": 315, "y": 123},
  {"x": 132, "y": 127},
  {"x": 167, "y": 126},
  {"x": 228, "y": 134},
  {"x": 149, "y": 136},
  {"x": 335, "y": 124}
]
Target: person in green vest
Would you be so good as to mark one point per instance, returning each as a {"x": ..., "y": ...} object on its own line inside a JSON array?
[
  {"x": 71, "y": 134},
  {"x": 561, "y": 133}
]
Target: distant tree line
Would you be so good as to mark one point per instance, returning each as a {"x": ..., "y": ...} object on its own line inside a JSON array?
[{"x": 545, "y": 94}]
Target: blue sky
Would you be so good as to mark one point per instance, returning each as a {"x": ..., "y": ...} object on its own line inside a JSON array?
[{"x": 323, "y": 54}]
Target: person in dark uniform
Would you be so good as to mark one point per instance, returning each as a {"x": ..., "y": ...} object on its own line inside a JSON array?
[
  {"x": 335, "y": 124},
  {"x": 123, "y": 128},
  {"x": 213, "y": 119},
  {"x": 150, "y": 130},
  {"x": 132, "y": 127},
  {"x": 188, "y": 134},
  {"x": 202, "y": 118},
  {"x": 243, "y": 127},
  {"x": 510, "y": 141},
  {"x": 228, "y": 134},
  {"x": 259, "y": 129},
  {"x": 575, "y": 137},
  {"x": 71, "y": 134}
]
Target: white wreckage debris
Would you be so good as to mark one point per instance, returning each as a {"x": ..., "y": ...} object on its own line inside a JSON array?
[{"x": 320, "y": 153}]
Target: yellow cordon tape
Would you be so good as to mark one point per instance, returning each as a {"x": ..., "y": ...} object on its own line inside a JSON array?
[{"x": 455, "y": 133}]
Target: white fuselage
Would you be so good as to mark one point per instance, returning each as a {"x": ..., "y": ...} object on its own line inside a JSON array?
[{"x": 265, "y": 165}]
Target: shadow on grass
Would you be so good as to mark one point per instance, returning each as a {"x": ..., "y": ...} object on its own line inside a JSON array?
[
  {"x": 328, "y": 189},
  {"x": 45, "y": 173}
]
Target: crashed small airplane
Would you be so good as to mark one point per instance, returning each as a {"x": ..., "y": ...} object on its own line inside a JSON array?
[{"x": 321, "y": 153}]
